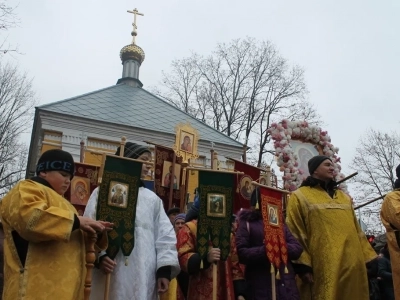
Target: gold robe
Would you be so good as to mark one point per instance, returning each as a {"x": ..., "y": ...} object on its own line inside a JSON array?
[
  {"x": 334, "y": 246},
  {"x": 390, "y": 215},
  {"x": 55, "y": 259}
]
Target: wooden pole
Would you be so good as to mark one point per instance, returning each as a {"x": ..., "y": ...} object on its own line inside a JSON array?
[
  {"x": 268, "y": 174},
  {"x": 107, "y": 287},
  {"x": 90, "y": 240},
  {"x": 218, "y": 171},
  {"x": 171, "y": 182},
  {"x": 273, "y": 286},
  {"x": 108, "y": 276},
  {"x": 270, "y": 188},
  {"x": 369, "y": 202},
  {"x": 82, "y": 153},
  {"x": 212, "y": 158},
  {"x": 346, "y": 178},
  {"x": 215, "y": 290}
]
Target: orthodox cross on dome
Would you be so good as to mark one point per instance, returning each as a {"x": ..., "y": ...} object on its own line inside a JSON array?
[{"x": 135, "y": 12}]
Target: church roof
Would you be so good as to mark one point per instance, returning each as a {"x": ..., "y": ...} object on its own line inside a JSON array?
[{"x": 132, "y": 106}]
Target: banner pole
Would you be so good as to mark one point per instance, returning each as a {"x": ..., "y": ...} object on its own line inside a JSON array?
[
  {"x": 273, "y": 286},
  {"x": 214, "y": 281},
  {"x": 171, "y": 182},
  {"x": 108, "y": 276}
]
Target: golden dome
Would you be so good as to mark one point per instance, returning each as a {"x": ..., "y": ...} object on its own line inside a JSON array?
[{"x": 132, "y": 51}]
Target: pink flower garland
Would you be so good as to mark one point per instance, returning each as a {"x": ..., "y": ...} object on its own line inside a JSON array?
[{"x": 285, "y": 131}]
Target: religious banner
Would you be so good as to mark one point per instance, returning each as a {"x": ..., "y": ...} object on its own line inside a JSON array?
[
  {"x": 186, "y": 142},
  {"x": 167, "y": 175},
  {"x": 243, "y": 185},
  {"x": 216, "y": 191},
  {"x": 82, "y": 185},
  {"x": 275, "y": 243},
  {"x": 117, "y": 200}
]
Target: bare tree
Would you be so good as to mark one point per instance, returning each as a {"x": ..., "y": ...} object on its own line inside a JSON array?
[
  {"x": 239, "y": 89},
  {"x": 16, "y": 103},
  {"x": 8, "y": 19},
  {"x": 375, "y": 161}
]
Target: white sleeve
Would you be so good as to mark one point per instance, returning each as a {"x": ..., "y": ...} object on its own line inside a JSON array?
[
  {"x": 165, "y": 240},
  {"x": 90, "y": 210}
]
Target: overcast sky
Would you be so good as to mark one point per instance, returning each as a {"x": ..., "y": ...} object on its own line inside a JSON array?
[{"x": 350, "y": 50}]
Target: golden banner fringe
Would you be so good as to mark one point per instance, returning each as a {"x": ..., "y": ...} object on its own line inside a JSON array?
[{"x": 278, "y": 275}]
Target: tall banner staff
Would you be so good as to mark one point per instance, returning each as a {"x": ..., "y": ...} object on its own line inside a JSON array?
[
  {"x": 108, "y": 276},
  {"x": 118, "y": 192},
  {"x": 271, "y": 206},
  {"x": 216, "y": 190}
]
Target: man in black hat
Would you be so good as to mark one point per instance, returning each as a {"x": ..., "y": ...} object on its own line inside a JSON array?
[
  {"x": 321, "y": 217},
  {"x": 43, "y": 241}
]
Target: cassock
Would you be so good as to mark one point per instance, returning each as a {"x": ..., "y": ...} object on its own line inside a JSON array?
[
  {"x": 155, "y": 247},
  {"x": 44, "y": 256},
  {"x": 335, "y": 248},
  {"x": 201, "y": 281},
  {"x": 390, "y": 215}
]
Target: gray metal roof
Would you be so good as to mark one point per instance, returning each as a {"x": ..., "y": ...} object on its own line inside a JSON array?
[{"x": 136, "y": 107}]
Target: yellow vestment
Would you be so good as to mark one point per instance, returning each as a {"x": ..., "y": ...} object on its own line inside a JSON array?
[
  {"x": 334, "y": 246},
  {"x": 390, "y": 215},
  {"x": 54, "y": 268}
]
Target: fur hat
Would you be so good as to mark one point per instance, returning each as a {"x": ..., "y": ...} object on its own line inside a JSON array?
[
  {"x": 56, "y": 160},
  {"x": 314, "y": 162},
  {"x": 133, "y": 150}
]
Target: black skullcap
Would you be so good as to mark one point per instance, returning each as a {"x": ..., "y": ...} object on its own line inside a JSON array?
[
  {"x": 314, "y": 162},
  {"x": 56, "y": 160},
  {"x": 174, "y": 210},
  {"x": 133, "y": 150}
]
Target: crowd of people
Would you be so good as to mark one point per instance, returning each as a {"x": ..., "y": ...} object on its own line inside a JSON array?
[{"x": 329, "y": 257}]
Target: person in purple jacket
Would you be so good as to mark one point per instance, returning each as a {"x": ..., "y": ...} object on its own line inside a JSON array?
[{"x": 251, "y": 251}]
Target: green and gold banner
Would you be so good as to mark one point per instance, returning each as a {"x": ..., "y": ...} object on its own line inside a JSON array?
[
  {"x": 216, "y": 204},
  {"x": 117, "y": 202}
]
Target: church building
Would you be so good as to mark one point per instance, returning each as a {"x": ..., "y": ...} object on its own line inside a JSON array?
[{"x": 100, "y": 118}]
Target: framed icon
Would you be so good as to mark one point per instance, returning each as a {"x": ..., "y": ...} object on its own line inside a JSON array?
[
  {"x": 216, "y": 205},
  {"x": 273, "y": 214},
  {"x": 118, "y": 194}
]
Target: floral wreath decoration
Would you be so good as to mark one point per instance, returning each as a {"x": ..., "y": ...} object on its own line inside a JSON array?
[{"x": 287, "y": 161}]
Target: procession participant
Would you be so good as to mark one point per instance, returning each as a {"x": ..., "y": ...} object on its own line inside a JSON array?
[
  {"x": 44, "y": 245},
  {"x": 174, "y": 291},
  {"x": 251, "y": 249},
  {"x": 322, "y": 219},
  {"x": 390, "y": 216},
  {"x": 153, "y": 261},
  {"x": 172, "y": 213},
  {"x": 201, "y": 279},
  {"x": 385, "y": 275},
  {"x": 179, "y": 222}
]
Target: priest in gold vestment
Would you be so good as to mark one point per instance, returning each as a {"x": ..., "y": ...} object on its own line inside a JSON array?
[
  {"x": 390, "y": 215},
  {"x": 44, "y": 248},
  {"x": 333, "y": 263}
]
